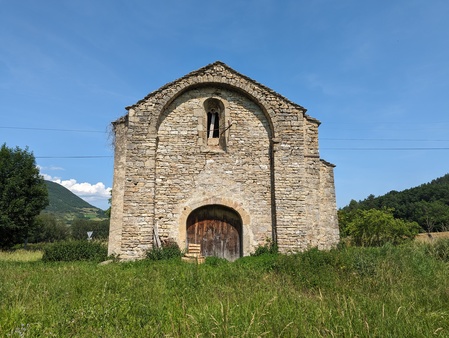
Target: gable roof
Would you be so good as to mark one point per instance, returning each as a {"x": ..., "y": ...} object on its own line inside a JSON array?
[{"x": 211, "y": 66}]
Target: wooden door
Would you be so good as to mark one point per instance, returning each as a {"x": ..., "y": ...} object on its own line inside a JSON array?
[{"x": 217, "y": 229}]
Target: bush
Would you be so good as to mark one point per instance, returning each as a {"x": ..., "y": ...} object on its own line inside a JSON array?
[
  {"x": 377, "y": 227},
  {"x": 270, "y": 248},
  {"x": 75, "y": 251},
  {"x": 167, "y": 251}
]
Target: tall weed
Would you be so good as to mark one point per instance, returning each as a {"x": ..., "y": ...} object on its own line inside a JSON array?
[
  {"x": 364, "y": 292},
  {"x": 439, "y": 249}
]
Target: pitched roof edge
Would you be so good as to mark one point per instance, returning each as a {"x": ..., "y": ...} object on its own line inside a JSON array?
[
  {"x": 121, "y": 119},
  {"x": 195, "y": 72},
  {"x": 327, "y": 163},
  {"x": 271, "y": 91},
  {"x": 172, "y": 83}
]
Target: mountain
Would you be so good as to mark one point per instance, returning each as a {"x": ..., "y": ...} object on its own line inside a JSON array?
[
  {"x": 67, "y": 206},
  {"x": 427, "y": 204}
]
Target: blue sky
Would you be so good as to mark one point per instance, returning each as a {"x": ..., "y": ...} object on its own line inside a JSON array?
[{"x": 375, "y": 73}]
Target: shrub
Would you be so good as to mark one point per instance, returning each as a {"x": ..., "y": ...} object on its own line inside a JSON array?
[
  {"x": 167, "y": 251},
  {"x": 75, "y": 251},
  {"x": 270, "y": 248},
  {"x": 377, "y": 227}
]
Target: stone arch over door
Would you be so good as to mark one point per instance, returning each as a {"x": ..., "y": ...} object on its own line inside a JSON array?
[{"x": 218, "y": 229}]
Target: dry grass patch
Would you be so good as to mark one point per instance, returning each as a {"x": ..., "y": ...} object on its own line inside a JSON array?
[
  {"x": 425, "y": 238},
  {"x": 21, "y": 256}
]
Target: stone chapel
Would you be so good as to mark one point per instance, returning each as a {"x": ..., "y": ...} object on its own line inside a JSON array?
[{"x": 218, "y": 159}]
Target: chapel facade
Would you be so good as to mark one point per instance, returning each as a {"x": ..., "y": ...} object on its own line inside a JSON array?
[{"x": 217, "y": 159}]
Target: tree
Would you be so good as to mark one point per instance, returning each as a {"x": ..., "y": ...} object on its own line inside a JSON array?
[
  {"x": 432, "y": 216},
  {"x": 23, "y": 195},
  {"x": 377, "y": 227},
  {"x": 427, "y": 204},
  {"x": 48, "y": 229},
  {"x": 80, "y": 227}
]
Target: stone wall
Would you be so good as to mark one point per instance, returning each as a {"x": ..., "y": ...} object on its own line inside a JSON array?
[
  {"x": 187, "y": 169},
  {"x": 116, "y": 222},
  {"x": 266, "y": 165}
]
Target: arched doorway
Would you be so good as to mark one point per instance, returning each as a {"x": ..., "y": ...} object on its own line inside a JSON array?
[{"x": 218, "y": 229}]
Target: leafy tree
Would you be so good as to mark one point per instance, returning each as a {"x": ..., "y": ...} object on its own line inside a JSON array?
[
  {"x": 344, "y": 217},
  {"x": 433, "y": 216},
  {"x": 427, "y": 204},
  {"x": 49, "y": 229},
  {"x": 377, "y": 227},
  {"x": 80, "y": 227},
  {"x": 23, "y": 194}
]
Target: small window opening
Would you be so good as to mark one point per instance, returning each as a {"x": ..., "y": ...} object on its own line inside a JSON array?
[
  {"x": 213, "y": 135},
  {"x": 213, "y": 124}
]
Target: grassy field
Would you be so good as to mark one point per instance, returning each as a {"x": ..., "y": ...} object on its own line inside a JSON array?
[{"x": 351, "y": 292}]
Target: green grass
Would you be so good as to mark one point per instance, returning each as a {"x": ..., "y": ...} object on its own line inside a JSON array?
[{"x": 352, "y": 292}]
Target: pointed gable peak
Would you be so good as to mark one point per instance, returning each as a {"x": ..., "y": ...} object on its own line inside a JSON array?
[
  {"x": 217, "y": 72},
  {"x": 214, "y": 67}
]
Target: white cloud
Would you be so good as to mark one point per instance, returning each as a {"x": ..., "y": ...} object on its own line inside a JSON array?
[
  {"x": 49, "y": 168},
  {"x": 47, "y": 177},
  {"x": 96, "y": 194}
]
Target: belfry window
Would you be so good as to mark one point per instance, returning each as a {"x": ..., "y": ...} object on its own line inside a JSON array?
[
  {"x": 214, "y": 118},
  {"x": 213, "y": 124}
]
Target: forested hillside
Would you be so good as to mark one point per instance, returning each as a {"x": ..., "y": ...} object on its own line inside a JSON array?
[
  {"x": 427, "y": 204},
  {"x": 67, "y": 206}
]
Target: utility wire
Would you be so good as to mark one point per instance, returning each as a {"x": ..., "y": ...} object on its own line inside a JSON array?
[
  {"x": 321, "y": 138},
  {"x": 56, "y": 129},
  {"x": 322, "y": 148},
  {"x": 380, "y": 139},
  {"x": 383, "y": 149},
  {"x": 100, "y": 156}
]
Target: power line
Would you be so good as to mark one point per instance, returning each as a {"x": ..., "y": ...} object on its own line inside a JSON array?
[
  {"x": 56, "y": 129},
  {"x": 321, "y": 138},
  {"x": 380, "y": 139},
  {"x": 94, "y": 156},
  {"x": 322, "y": 148},
  {"x": 383, "y": 149},
  {"x": 383, "y": 123}
]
